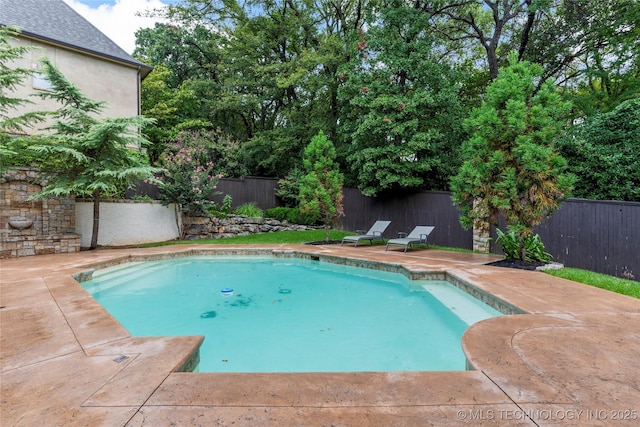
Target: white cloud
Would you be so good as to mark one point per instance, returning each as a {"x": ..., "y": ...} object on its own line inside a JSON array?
[{"x": 119, "y": 21}]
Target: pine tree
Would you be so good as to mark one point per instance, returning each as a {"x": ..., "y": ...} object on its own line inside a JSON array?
[
  {"x": 321, "y": 187},
  {"x": 512, "y": 167}
]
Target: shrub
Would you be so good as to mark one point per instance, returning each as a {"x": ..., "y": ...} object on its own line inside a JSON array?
[
  {"x": 288, "y": 189},
  {"x": 279, "y": 213},
  {"x": 292, "y": 215},
  {"x": 224, "y": 209},
  {"x": 189, "y": 178},
  {"x": 296, "y": 216},
  {"x": 249, "y": 209},
  {"x": 534, "y": 248}
]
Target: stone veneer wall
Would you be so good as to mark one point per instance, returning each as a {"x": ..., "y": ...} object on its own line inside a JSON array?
[
  {"x": 235, "y": 225},
  {"x": 481, "y": 237},
  {"x": 33, "y": 227}
]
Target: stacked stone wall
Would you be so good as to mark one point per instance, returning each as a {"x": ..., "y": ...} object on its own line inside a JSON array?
[
  {"x": 34, "y": 227},
  {"x": 235, "y": 225}
]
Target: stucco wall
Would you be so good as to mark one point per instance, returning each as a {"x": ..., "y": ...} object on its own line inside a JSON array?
[
  {"x": 97, "y": 78},
  {"x": 127, "y": 222}
]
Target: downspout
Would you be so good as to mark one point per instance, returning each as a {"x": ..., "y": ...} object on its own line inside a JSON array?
[{"x": 138, "y": 90}]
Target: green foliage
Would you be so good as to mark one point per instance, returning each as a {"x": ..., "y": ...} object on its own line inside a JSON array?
[
  {"x": 321, "y": 187},
  {"x": 219, "y": 148},
  {"x": 533, "y": 247},
  {"x": 288, "y": 189},
  {"x": 511, "y": 165},
  {"x": 226, "y": 204},
  {"x": 223, "y": 210},
  {"x": 401, "y": 109},
  {"x": 87, "y": 156},
  {"x": 603, "y": 153},
  {"x": 596, "y": 45},
  {"x": 250, "y": 209},
  {"x": 272, "y": 74},
  {"x": 280, "y": 213},
  {"x": 190, "y": 179},
  {"x": 292, "y": 215},
  {"x": 13, "y": 150}
]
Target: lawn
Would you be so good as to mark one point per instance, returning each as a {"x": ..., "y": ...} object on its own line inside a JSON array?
[{"x": 603, "y": 281}]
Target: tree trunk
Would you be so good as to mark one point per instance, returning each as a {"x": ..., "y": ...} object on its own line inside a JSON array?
[
  {"x": 326, "y": 232},
  {"x": 96, "y": 220},
  {"x": 180, "y": 221}
]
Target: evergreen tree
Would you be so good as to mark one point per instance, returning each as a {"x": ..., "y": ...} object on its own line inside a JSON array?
[
  {"x": 512, "y": 167},
  {"x": 10, "y": 79},
  {"x": 321, "y": 187},
  {"x": 86, "y": 156}
]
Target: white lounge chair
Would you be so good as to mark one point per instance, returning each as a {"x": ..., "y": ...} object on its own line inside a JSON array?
[
  {"x": 374, "y": 233},
  {"x": 418, "y": 235}
]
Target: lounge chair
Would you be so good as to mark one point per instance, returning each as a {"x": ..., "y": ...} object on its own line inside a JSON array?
[
  {"x": 374, "y": 233},
  {"x": 418, "y": 235}
]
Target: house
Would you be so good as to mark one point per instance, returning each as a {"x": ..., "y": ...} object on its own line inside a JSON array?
[
  {"x": 101, "y": 70},
  {"x": 94, "y": 63}
]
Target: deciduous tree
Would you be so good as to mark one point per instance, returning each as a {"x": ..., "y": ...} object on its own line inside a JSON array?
[
  {"x": 401, "y": 111},
  {"x": 604, "y": 151}
]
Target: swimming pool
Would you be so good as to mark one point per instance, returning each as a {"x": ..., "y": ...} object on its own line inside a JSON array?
[{"x": 292, "y": 315}]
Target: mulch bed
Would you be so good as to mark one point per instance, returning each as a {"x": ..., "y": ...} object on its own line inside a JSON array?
[{"x": 516, "y": 263}]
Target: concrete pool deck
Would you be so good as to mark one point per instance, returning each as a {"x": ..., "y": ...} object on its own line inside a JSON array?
[{"x": 573, "y": 359}]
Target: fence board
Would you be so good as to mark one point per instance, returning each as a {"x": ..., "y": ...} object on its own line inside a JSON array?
[{"x": 601, "y": 236}]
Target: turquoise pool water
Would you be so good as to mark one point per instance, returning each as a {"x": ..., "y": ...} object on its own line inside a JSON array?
[{"x": 292, "y": 315}]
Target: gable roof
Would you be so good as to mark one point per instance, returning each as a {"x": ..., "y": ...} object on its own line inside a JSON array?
[{"x": 55, "y": 22}]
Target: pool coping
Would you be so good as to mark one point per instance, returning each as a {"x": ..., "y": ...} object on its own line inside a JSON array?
[{"x": 570, "y": 357}]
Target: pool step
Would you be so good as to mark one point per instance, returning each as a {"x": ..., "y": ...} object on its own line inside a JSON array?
[
  {"x": 465, "y": 307},
  {"x": 118, "y": 276}
]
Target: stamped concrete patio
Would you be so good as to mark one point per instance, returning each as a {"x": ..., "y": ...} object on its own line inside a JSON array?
[{"x": 572, "y": 358}]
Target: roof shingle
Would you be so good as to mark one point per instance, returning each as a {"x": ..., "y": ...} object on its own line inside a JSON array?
[{"x": 56, "y": 22}]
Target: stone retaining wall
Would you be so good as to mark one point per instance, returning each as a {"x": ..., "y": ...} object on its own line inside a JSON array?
[{"x": 235, "y": 225}]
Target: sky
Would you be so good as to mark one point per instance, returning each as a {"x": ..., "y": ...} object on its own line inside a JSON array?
[{"x": 117, "y": 18}]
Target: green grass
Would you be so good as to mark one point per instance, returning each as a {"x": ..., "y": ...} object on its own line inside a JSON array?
[
  {"x": 621, "y": 286},
  {"x": 603, "y": 281},
  {"x": 267, "y": 238}
]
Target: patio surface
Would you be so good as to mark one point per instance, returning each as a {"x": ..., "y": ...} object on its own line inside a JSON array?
[{"x": 573, "y": 359}]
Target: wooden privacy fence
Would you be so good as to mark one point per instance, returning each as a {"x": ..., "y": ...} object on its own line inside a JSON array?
[{"x": 601, "y": 236}]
